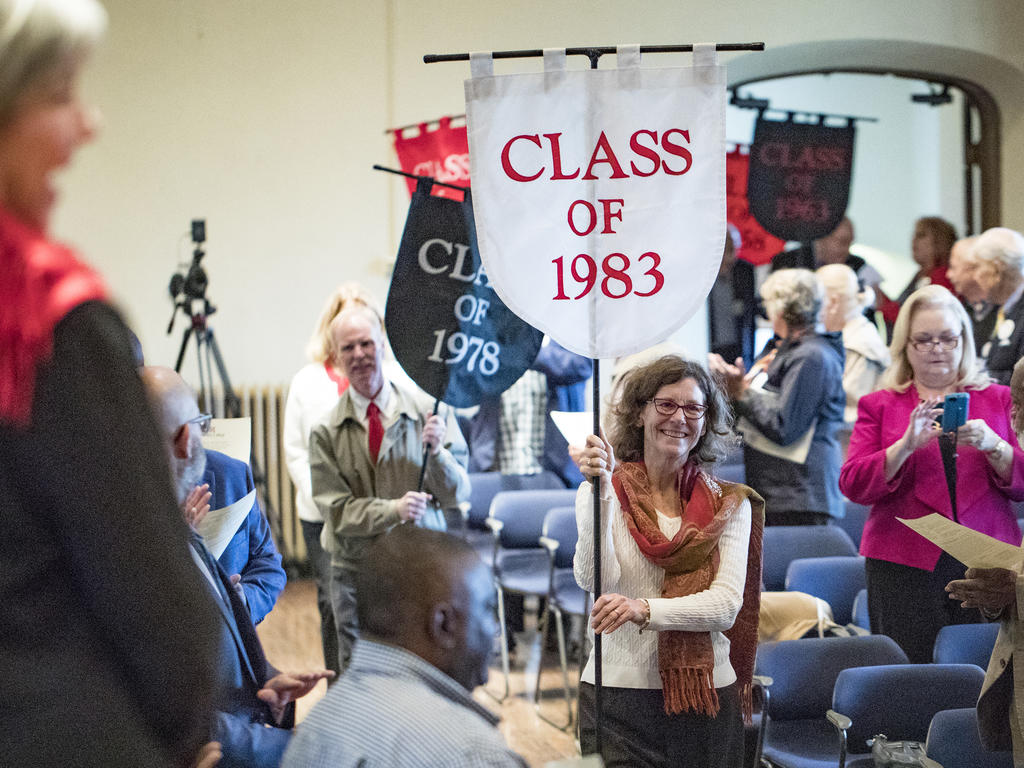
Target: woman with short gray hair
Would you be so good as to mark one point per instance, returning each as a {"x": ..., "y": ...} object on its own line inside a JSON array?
[
  {"x": 791, "y": 405},
  {"x": 108, "y": 656}
]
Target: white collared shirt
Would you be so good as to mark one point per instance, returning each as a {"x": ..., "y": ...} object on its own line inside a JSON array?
[{"x": 384, "y": 400}]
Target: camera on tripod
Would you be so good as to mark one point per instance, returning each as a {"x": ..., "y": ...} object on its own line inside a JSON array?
[{"x": 194, "y": 282}]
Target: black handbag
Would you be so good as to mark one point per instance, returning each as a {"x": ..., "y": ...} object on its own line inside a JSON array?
[{"x": 899, "y": 754}]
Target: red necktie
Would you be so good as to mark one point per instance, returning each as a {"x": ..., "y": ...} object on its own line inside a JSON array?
[{"x": 375, "y": 430}]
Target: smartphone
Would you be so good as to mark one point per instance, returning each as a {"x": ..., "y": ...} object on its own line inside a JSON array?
[{"x": 954, "y": 411}]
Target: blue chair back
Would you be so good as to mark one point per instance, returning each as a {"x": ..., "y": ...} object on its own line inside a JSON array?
[
  {"x": 860, "y": 610},
  {"x": 965, "y": 644},
  {"x": 485, "y": 485},
  {"x": 854, "y": 517},
  {"x": 560, "y": 525},
  {"x": 785, "y": 543},
  {"x": 731, "y": 473},
  {"x": 836, "y": 580},
  {"x": 901, "y": 700},
  {"x": 804, "y": 671},
  {"x": 953, "y": 741},
  {"x": 522, "y": 514}
]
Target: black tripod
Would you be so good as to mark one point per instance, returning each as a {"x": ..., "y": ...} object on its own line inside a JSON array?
[
  {"x": 208, "y": 356},
  {"x": 187, "y": 291}
]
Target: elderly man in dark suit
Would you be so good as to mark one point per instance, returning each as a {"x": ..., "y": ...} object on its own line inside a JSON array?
[{"x": 253, "y": 717}]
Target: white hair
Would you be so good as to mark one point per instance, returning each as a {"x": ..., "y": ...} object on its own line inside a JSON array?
[
  {"x": 37, "y": 38},
  {"x": 840, "y": 280},
  {"x": 795, "y": 295}
]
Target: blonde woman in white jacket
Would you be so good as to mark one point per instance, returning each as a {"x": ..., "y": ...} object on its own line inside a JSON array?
[{"x": 866, "y": 353}]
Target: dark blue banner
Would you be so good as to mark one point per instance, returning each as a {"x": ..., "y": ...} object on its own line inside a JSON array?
[{"x": 449, "y": 330}]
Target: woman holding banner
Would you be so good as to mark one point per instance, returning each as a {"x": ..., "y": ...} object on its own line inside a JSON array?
[
  {"x": 681, "y": 556},
  {"x": 895, "y": 465}
]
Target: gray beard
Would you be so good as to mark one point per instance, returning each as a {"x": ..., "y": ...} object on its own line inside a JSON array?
[{"x": 189, "y": 473}]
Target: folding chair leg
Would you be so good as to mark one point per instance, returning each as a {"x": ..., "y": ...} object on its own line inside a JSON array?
[
  {"x": 505, "y": 667},
  {"x": 554, "y": 613},
  {"x": 545, "y": 627}
]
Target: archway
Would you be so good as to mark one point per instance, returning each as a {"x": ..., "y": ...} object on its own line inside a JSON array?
[{"x": 991, "y": 87}]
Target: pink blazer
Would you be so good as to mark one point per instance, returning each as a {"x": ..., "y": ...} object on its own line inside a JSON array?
[{"x": 919, "y": 488}]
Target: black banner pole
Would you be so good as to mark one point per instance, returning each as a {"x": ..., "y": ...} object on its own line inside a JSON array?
[
  {"x": 593, "y": 52},
  {"x": 598, "y": 685},
  {"x": 426, "y": 451},
  {"x": 434, "y": 181}
]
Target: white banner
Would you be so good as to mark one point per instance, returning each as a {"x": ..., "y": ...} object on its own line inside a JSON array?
[{"x": 599, "y": 195}]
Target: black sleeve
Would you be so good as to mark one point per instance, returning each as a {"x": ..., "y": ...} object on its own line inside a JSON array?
[{"x": 101, "y": 465}]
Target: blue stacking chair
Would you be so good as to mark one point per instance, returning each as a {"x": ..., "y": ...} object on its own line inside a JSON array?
[
  {"x": 796, "y": 733},
  {"x": 520, "y": 563},
  {"x": 953, "y": 741},
  {"x": 965, "y": 644},
  {"x": 564, "y": 598},
  {"x": 484, "y": 486},
  {"x": 854, "y": 517},
  {"x": 836, "y": 580},
  {"x": 898, "y": 700},
  {"x": 860, "y": 610},
  {"x": 785, "y": 543}
]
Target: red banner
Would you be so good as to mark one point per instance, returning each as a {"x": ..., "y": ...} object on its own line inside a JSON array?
[
  {"x": 441, "y": 153},
  {"x": 758, "y": 246}
]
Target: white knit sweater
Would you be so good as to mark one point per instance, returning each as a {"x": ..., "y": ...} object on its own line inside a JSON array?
[{"x": 629, "y": 658}]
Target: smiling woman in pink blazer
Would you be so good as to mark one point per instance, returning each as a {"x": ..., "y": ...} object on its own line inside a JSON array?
[{"x": 894, "y": 465}]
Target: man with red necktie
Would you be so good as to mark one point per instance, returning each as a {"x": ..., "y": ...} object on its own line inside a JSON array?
[{"x": 365, "y": 461}]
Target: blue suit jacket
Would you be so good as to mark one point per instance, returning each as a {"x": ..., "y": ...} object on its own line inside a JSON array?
[
  {"x": 240, "y": 718},
  {"x": 251, "y": 551}
]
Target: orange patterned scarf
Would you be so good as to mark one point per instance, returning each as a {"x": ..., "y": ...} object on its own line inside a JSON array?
[
  {"x": 686, "y": 660},
  {"x": 40, "y": 282}
]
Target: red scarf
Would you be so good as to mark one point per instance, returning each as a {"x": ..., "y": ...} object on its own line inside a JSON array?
[
  {"x": 40, "y": 282},
  {"x": 686, "y": 660}
]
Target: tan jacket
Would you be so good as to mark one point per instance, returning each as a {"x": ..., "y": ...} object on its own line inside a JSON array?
[
  {"x": 1001, "y": 703},
  {"x": 359, "y": 501}
]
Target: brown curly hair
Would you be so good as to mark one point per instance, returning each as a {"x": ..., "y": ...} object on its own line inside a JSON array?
[{"x": 638, "y": 385}]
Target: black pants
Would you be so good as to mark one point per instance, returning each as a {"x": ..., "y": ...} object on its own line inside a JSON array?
[
  {"x": 321, "y": 563},
  {"x": 911, "y": 605},
  {"x": 637, "y": 733}
]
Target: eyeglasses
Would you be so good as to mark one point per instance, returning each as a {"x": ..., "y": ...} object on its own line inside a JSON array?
[
  {"x": 669, "y": 407},
  {"x": 203, "y": 420},
  {"x": 928, "y": 343}
]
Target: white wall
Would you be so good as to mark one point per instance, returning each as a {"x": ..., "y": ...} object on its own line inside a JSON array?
[
  {"x": 907, "y": 164},
  {"x": 265, "y": 117}
]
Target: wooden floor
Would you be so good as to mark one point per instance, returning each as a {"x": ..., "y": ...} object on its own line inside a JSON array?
[{"x": 291, "y": 638}]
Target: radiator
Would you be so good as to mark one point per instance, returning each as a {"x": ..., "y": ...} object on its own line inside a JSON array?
[{"x": 265, "y": 407}]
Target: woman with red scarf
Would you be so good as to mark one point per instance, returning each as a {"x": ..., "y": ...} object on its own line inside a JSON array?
[
  {"x": 681, "y": 568},
  {"x": 107, "y": 640}
]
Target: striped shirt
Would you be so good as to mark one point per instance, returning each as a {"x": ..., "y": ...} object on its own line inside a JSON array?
[{"x": 392, "y": 709}]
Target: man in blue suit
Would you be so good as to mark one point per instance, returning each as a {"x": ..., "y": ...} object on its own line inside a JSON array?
[
  {"x": 254, "y": 712},
  {"x": 251, "y": 559}
]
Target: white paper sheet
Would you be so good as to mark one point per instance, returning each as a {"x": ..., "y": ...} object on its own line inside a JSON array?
[
  {"x": 220, "y": 525},
  {"x": 575, "y": 426},
  {"x": 973, "y": 549},
  {"x": 230, "y": 436}
]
